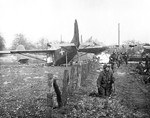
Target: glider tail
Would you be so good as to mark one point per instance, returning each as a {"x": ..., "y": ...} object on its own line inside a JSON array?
[{"x": 75, "y": 39}]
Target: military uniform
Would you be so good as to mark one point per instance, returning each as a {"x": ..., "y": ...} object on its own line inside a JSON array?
[
  {"x": 119, "y": 60},
  {"x": 125, "y": 57},
  {"x": 147, "y": 63},
  {"x": 140, "y": 68},
  {"x": 112, "y": 60},
  {"x": 104, "y": 82}
]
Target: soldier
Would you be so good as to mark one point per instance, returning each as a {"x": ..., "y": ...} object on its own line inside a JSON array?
[
  {"x": 125, "y": 57},
  {"x": 112, "y": 63},
  {"x": 105, "y": 81},
  {"x": 112, "y": 60},
  {"x": 140, "y": 68},
  {"x": 147, "y": 63},
  {"x": 119, "y": 60}
]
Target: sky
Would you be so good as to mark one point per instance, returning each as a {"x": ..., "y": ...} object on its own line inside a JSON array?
[{"x": 51, "y": 19}]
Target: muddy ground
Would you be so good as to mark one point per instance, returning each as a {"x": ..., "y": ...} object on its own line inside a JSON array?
[{"x": 23, "y": 90}]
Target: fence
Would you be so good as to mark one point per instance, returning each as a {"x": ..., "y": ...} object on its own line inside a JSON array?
[{"x": 73, "y": 79}]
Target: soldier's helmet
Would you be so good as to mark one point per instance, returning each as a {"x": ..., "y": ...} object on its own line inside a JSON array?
[
  {"x": 105, "y": 66},
  {"x": 147, "y": 56}
]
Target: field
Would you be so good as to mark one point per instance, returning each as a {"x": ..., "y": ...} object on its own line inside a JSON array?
[{"x": 24, "y": 88}]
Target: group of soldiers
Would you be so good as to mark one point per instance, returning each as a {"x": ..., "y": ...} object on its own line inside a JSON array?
[
  {"x": 105, "y": 81},
  {"x": 118, "y": 58},
  {"x": 143, "y": 68}
]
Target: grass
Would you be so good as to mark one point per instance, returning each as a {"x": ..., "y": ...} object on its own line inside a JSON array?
[{"x": 24, "y": 89}]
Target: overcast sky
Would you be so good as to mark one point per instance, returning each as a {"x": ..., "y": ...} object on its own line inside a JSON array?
[{"x": 50, "y": 19}]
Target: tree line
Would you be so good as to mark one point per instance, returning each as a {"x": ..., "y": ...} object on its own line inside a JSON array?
[{"x": 20, "y": 39}]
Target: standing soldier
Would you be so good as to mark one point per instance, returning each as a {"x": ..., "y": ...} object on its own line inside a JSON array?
[
  {"x": 125, "y": 57},
  {"x": 105, "y": 81},
  {"x": 112, "y": 60},
  {"x": 119, "y": 60}
]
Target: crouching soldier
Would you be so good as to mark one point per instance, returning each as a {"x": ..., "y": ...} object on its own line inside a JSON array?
[
  {"x": 147, "y": 63},
  {"x": 105, "y": 81},
  {"x": 140, "y": 68}
]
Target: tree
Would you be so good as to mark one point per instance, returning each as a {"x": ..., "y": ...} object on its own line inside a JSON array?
[
  {"x": 2, "y": 43},
  {"x": 59, "y": 42},
  {"x": 133, "y": 47},
  {"x": 90, "y": 40},
  {"x": 21, "y": 40},
  {"x": 94, "y": 41},
  {"x": 42, "y": 43},
  {"x": 131, "y": 42}
]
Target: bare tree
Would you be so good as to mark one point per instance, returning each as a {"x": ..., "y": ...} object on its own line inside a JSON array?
[
  {"x": 133, "y": 47},
  {"x": 90, "y": 40},
  {"x": 94, "y": 41},
  {"x": 21, "y": 40},
  {"x": 42, "y": 43},
  {"x": 131, "y": 42}
]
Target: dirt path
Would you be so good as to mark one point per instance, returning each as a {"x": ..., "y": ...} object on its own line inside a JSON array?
[
  {"x": 131, "y": 91},
  {"x": 130, "y": 101}
]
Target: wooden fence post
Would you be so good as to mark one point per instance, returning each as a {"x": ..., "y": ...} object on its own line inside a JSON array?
[
  {"x": 72, "y": 79},
  {"x": 79, "y": 69},
  {"x": 65, "y": 87},
  {"x": 50, "y": 94},
  {"x": 84, "y": 74}
]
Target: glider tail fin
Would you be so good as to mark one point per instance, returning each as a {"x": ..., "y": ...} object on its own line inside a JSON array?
[{"x": 75, "y": 39}]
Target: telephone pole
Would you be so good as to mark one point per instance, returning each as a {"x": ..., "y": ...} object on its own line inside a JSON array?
[
  {"x": 61, "y": 38},
  {"x": 118, "y": 34}
]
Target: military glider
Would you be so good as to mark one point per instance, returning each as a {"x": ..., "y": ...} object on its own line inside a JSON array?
[{"x": 64, "y": 53}]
